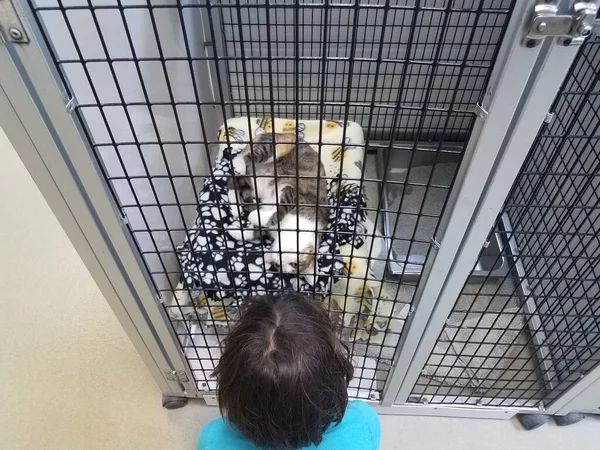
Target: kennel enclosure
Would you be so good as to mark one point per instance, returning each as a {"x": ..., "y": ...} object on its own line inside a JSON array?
[{"x": 461, "y": 135}]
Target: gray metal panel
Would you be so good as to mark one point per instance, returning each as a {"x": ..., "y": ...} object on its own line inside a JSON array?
[
  {"x": 165, "y": 118},
  {"x": 40, "y": 104},
  {"x": 26, "y": 148},
  {"x": 584, "y": 396}
]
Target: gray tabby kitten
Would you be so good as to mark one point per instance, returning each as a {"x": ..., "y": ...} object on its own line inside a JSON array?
[{"x": 298, "y": 224}]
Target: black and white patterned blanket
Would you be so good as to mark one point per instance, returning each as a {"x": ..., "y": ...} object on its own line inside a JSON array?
[{"x": 223, "y": 267}]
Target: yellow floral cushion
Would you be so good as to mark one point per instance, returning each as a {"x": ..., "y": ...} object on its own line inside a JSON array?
[{"x": 355, "y": 300}]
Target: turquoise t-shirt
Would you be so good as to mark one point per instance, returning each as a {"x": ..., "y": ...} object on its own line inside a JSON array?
[{"x": 359, "y": 429}]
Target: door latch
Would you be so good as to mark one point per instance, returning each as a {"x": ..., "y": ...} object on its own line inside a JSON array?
[{"x": 572, "y": 29}]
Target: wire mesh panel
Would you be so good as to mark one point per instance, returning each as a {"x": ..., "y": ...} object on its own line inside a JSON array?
[
  {"x": 522, "y": 335},
  {"x": 341, "y": 58},
  {"x": 170, "y": 93}
]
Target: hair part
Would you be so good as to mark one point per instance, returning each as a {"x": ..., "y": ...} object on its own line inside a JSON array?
[{"x": 284, "y": 373}]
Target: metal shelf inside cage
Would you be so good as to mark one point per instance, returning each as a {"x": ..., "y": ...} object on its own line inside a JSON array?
[{"x": 418, "y": 184}]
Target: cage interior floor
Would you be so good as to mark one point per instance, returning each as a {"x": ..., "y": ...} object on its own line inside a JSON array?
[{"x": 484, "y": 351}]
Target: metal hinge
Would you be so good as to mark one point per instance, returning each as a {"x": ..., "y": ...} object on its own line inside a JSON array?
[
  {"x": 176, "y": 375},
  {"x": 11, "y": 28},
  {"x": 572, "y": 29}
]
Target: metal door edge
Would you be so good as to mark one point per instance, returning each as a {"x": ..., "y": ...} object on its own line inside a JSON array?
[
  {"x": 516, "y": 105},
  {"x": 34, "y": 93}
]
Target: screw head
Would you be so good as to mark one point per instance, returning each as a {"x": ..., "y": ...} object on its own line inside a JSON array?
[
  {"x": 567, "y": 42},
  {"x": 585, "y": 29},
  {"x": 542, "y": 26},
  {"x": 530, "y": 43},
  {"x": 15, "y": 33}
]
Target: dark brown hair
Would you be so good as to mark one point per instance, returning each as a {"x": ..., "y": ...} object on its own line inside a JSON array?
[{"x": 284, "y": 374}]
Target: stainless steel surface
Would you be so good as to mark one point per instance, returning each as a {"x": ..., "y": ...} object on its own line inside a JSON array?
[
  {"x": 80, "y": 198},
  {"x": 403, "y": 191},
  {"x": 573, "y": 27},
  {"x": 11, "y": 28},
  {"x": 537, "y": 332}
]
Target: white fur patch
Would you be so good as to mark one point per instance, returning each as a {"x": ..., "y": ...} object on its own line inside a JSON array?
[
  {"x": 289, "y": 242},
  {"x": 239, "y": 235},
  {"x": 295, "y": 223},
  {"x": 235, "y": 208},
  {"x": 239, "y": 165},
  {"x": 261, "y": 216}
]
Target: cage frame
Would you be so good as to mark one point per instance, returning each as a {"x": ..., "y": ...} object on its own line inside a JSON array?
[{"x": 35, "y": 115}]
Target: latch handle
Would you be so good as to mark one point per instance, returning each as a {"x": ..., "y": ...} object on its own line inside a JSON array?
[{"x": 572, "y": 29}]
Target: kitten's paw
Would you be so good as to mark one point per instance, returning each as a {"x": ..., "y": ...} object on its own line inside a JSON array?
[
  {"x": 241, "y": 235},
  {"x": 175, "y": 314},
  {"x": 272, "y": 260},
  {"x": 235, "y": 208},
  {"x": 239, "y": 165},
  {"x": 272, "y": 257},
  {"x": 310, "y": 279},
  {"x": 260, "y": 217}
]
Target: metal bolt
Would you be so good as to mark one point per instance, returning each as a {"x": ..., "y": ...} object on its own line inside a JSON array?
[
  {"x": 585, "y": 29},
  {"x": 530, "y": 43},
  {"x": 567, "y": 42},
  {"x": 15, "y": 33},
  {"x": 542, "y": 26}
]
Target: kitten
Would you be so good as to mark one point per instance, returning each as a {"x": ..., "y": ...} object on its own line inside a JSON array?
[{"x": 294, "y": 206}]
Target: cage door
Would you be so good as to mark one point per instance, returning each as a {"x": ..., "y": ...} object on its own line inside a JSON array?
[
  {"x": 522, "y": 337},
  {"x": 527, "y": 337}
]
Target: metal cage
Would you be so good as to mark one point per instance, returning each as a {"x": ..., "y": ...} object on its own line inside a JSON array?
[
  {"x": 524, "y": 335},
  {"x": 129, "y": 113}
]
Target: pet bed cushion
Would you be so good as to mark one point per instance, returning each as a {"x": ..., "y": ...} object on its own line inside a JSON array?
[{"x": 221, "y": 271}]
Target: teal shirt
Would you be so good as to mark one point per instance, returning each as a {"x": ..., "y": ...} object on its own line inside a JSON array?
[{"x": 359, "y": 429}]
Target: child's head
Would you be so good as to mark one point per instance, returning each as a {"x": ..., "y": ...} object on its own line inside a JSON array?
[{"x": 284, "y": 374}]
